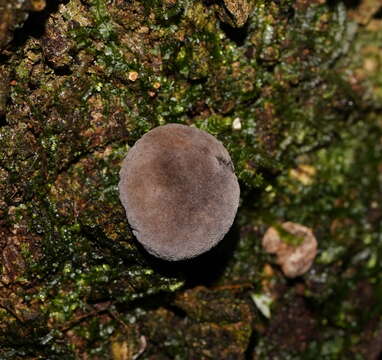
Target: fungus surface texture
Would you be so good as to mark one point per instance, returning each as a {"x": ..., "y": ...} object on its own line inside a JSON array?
[{"x": 180, "y": 192}]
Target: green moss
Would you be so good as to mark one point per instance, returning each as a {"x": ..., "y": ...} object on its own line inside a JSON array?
[{"x": 287, "y": 237}]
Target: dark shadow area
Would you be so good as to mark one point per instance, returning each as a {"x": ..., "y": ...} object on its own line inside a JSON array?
[
  {"x": 268, "y": 65},
  {"x": 350, "y": 4},
  {"x": 250, "y": 196},
  {"x": 199, "y": 81},
  {"x": 378, "y": 14},
  {"x": 62, "y": 71},
  {"x": 3, "y": 120},
  {"x": 33, "y": 86},
  {"x": 250, "y": 352},
  {"x": 4, "y": 58},
  {"x": 237, "y": 35},
  {"x": 152, "y": 302},
  {"x": 204, "y": 269},
  {"x": 97, "y": 236},
  {"x": 180, "y": 313},
  {"x": 34, "y": 26},
  {"x": 288, "y": 12}
]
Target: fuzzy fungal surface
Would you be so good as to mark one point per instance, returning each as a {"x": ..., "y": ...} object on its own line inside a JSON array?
[
  {"x": 180, "y": 191},
  {"x": 292, "y": 89}
]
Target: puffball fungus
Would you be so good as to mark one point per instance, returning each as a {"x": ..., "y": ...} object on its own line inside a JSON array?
[{"x": 179, "y": 190}]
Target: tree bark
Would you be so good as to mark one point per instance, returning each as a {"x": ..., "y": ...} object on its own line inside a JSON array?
[{"x": 293, "y": 88}]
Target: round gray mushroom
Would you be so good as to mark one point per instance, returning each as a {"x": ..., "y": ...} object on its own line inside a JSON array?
[{"x": 179, "y": 190}]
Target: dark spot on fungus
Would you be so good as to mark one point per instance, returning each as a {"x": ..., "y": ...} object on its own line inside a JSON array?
[{"x": 180, "y": 192}]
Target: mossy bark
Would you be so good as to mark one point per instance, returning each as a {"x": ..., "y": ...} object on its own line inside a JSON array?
[{"x": 293, "y": 88}]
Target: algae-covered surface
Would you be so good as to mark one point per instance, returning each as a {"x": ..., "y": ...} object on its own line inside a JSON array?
[{"x": 293, "y": 88}]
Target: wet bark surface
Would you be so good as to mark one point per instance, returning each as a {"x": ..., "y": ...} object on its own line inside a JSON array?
[{"x": 292, "y": 88}]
